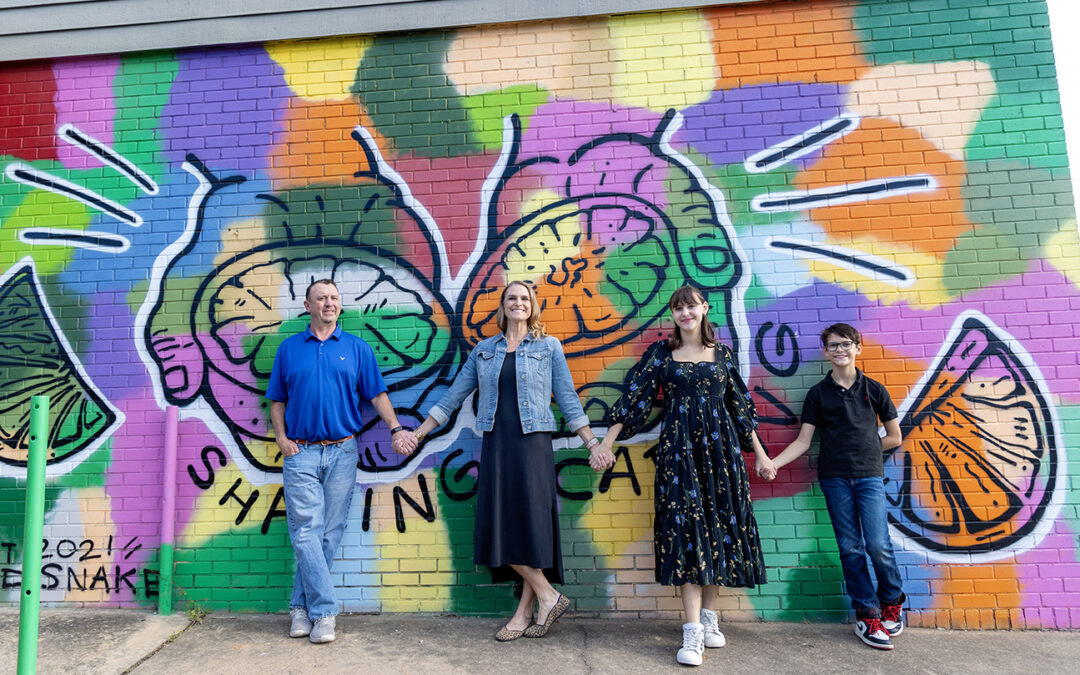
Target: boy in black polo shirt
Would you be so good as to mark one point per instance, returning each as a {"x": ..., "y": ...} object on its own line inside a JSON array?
[{"x": 846, "y": 407}]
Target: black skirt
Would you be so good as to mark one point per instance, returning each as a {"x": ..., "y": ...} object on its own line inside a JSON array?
[{"x": 517, "y": 521}]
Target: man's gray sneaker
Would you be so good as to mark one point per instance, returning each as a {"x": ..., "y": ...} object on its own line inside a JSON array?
[
  {"x": 323, "y": 630},
  {"x": 301, "y": 624}
]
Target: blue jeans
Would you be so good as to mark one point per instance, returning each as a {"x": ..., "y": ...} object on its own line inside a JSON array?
[
  {"x": 857, "y": 508},
  {"x": 319, "y": 482}
]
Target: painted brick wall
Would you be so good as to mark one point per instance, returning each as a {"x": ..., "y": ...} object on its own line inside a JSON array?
[{"x": 896, "y": 165}]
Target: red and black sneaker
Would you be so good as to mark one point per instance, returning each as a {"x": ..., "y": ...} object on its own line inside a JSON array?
[
  {"x": 873, "y": 633},
  {"x": 892, "y": 619}
]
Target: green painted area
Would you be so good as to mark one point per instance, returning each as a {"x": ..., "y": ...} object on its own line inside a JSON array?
[
  {"x": 319, "y": 219},
  {"x": 1016, "y": 210},
  {"x": 141, "y": 90},
  {"x": 473, "y": 593},
  {"x": 488, "y": 110},
  {"x": 402, "y": 83},
  {"x": 1012, "y": 38},
  {"x": 805, "y": 581},
  {"x": 242, "y": 570},
  {"x": 39, "y": 208}
]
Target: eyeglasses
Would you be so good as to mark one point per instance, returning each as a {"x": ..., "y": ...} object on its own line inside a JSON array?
[{"x": 840, "y": 346}]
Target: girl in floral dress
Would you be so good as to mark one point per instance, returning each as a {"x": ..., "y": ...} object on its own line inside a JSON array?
[{"x": 704, "y": 533}]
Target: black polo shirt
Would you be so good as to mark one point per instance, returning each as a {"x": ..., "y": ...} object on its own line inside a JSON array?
[{"x": 847, "y": 421}]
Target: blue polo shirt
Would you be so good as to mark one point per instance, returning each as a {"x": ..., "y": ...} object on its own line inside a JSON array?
[{"x": 322, "y": 382}]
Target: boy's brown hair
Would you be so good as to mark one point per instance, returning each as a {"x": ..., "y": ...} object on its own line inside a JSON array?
[{"x": 843, "y": 330}]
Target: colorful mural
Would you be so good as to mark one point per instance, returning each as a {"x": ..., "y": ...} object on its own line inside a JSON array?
[{"x": 803, "y": 162}]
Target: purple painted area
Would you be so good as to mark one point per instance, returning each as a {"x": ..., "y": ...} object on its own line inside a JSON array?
[
  {"x": 1045, "y": 574},
  {"x": 109, "y": 360},
  {"x": 613, "y": 166},
  {"x": 734, "y": 124},
  {"x": 223, "y": 105},
  {"x": 84, "y": 98}
]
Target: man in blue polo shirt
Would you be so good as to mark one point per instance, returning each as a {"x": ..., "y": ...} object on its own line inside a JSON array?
[{"x": 315, "y": 388}]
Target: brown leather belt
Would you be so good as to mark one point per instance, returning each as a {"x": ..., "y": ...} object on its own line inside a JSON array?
[{"x": 340, "y": 440}]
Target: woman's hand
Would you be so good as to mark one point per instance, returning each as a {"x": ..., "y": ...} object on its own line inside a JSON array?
[
  {"x": 602, "y": 457},
  {"x": 765, "y": 468}
]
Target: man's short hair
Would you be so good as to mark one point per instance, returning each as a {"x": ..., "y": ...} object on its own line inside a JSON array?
[
  {"x": 843, "y": 330},
  {"x": 307, "y": 293}
]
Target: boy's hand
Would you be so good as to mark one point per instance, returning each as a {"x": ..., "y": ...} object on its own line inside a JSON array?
[{"x": 765, "y": 468}]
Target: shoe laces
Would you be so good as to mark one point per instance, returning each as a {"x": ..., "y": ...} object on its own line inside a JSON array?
[
  {"x": 693, "y": 639},
  {"x": 873, "y": 625},
  {"x": 891, "y": 612},
  {"x": 298, "y": 611}
]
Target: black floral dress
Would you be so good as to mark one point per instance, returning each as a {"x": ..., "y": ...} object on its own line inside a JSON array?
[{"x": 704, "y": 532}]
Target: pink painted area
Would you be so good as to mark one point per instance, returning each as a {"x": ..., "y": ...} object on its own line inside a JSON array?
[
  {"x": 1050, "y": 581},
  {"x": 592, "y": 159},
  {"x": 1045, "y": 328},
  {"x": 84, "y": 98},
  {"x": 451, "y": 190},
  {"x": 134, "y": 481}
]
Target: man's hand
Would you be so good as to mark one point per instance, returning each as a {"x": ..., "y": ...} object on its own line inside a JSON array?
[
  {"x": 404, "y": 442},
  {"x": 287, "y": 447}
]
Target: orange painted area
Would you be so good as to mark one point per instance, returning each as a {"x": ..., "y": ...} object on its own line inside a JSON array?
[
  {"x": 953, "y": 481},
  {"x": 967, "y": 592},
  {"x": 785, "y": 42},
  {"x": 318, "y": 144},
  {"x": 929, "y": 222},
  {"x": 898, "y": 372}
]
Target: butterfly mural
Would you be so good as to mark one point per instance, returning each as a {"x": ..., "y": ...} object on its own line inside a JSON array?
[{"x": 980, "y": 471}]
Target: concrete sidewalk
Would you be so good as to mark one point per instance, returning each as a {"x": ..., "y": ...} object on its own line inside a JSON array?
[{"x": 117, "y": 641}]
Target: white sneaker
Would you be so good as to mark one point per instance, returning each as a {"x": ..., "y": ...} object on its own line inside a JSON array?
[
  {"x": 301, "y": 624},
  {"x": 713, "y": 636},
  {"x": 323, "y": 630},
  {"x": 693, "y": 644}
]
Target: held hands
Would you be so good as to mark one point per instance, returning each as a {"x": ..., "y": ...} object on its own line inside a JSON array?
[
  {"x": 601, "y": 456},
  {"x": 404, "y": 442},
  {"x": 765, "y": 468}
]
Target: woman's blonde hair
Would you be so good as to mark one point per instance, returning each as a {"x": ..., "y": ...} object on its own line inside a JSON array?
[
  {"x": 536, "y": 329},
  {"x": 688, "y": 295}
]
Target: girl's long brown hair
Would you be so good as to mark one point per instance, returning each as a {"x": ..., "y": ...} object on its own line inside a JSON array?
[
  {"x": 536, "y": 328},
  {"x": 688, "y": 295}
]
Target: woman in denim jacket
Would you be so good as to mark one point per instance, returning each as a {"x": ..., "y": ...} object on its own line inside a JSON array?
[{"x": 517, "y": 524}]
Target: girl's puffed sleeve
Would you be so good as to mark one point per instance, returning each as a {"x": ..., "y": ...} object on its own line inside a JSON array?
[
  {"x": 639, "y": 394},
  {"x": 739, "y": 405}
]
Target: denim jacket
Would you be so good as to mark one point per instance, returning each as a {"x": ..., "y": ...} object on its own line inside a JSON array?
[{"x": 541, "y": 371}]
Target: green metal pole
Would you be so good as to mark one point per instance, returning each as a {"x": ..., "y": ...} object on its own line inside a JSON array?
[{"x": 33, "y": 529}]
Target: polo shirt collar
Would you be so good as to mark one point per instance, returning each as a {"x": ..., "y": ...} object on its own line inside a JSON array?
[
  {"x": 856, "y": 383},
  {"x": 308, "y": 335}
]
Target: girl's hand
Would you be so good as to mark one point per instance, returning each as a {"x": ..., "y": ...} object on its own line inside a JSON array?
[
  {"x": 765, "y": 468},
  {"x": 601, "y": 457}
]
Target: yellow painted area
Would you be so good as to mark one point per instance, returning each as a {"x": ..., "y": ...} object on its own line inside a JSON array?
[
  {"x": 535, "y": 255},
  {"x": 927, "y": 291},
  {"x": 663, "y": 60},
  {"x": 94, "y": 509},
  {"x": 619, "y": 521},
  {"x": 943, "y": 101},
  {"x": 320, "y": 70},
  {"x": 1063, "y": 252},
  {"x": 211, "y": 517},
  {"x": 413, "y": 565}
]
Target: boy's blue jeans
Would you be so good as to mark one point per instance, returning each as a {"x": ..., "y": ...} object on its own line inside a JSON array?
[
  {"x": 319, "y": 482},
  {"x": 857, "y": 507}
]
